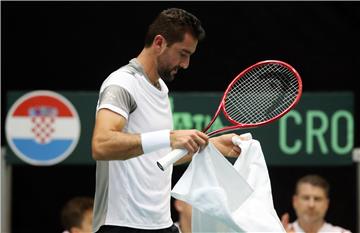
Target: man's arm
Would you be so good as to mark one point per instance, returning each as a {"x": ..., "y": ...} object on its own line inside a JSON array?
[{"x": 110, "y": 143}]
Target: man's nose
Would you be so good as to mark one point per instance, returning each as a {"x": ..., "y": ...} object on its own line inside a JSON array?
[
  {"x": 311, "y": 202},
  {"x": 185, "y": 63}
]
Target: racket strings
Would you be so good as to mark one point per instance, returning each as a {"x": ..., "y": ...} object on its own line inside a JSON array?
[
  {"x": 269, "y": 106},
  {"x": 261, "y": 94},
  {"x": 266, "y": 95}
]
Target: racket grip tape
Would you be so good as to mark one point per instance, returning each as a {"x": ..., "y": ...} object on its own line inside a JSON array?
[{"x": 171, "y": 158}]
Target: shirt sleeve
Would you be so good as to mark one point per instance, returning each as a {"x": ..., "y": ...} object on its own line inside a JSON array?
[{"x": 117, "y": 99}]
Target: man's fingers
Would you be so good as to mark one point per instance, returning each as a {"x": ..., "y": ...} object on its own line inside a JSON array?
[
  {"x": 194, "y": 146},
  {"x": 202, "y": 139},
  {"x": 234, "y": 152},
  {"x": 202, "y": 135},
  {"x": 236, "y": 149},
  {"x": 201, "y": 142},
  {"x": 191, "y": 140}
]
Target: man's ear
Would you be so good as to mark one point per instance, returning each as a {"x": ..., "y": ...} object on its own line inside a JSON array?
[
  {"x": 327, "y": 203},
  {"x": 294, "y": 200},
  {"x": 159, "y": 43}
]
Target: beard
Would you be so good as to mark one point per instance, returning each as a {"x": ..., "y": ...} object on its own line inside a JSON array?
[
  {"x": 166, "y": 72},
  {"x": 312, "y": 217}
]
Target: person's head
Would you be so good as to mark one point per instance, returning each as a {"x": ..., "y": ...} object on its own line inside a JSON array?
[
  {"x": 76, "y": 215},
  {"x": 311, "y": 199},
  {"x": 174, "y": 35},
  {"x": 185, "y": 212}
]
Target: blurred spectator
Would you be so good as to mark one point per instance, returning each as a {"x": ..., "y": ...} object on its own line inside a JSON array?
[
  {"x": 77, "y": 215},
  {"x": 311, "y": 202}
]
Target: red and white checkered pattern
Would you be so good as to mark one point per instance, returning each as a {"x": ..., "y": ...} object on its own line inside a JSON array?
[
  {"x": 43, "y": 120},
  {"x": 43, "y": 128}
]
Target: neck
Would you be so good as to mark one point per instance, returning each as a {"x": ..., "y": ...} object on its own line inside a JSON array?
[
  {"x": 313, "y": 227},
  {"x": 149, "y": 63}
]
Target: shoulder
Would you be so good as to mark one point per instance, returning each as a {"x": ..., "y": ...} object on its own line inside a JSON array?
[{"x": 122, "y": 77}]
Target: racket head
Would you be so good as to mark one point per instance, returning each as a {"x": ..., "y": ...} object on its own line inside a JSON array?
[{"x": 261, "y": 94}]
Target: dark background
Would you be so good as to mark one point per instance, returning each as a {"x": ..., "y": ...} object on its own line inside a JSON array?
[{"x": 75, "y": 45}]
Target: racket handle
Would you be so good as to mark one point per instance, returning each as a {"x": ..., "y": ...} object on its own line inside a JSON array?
[{"x": 171, "y": 158}]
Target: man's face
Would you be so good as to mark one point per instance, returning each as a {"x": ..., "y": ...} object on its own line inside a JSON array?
[
  {"x": 175, "y": 57},
  {"x": 310, "y": 203}
]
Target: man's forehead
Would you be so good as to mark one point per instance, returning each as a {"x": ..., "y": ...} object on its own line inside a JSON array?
[
  {"x": 188, "y": 44},
  {"x": 309, "y": 188}
]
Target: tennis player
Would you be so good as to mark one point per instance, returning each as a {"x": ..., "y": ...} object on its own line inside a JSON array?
[{"x": 133, "y": 130}]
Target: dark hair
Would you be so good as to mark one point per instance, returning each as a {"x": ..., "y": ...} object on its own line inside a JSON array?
[
  {"x": 172, "y": 24},
  {"x": 73, "y": 212},
  {"x": 314, "y": 180}
]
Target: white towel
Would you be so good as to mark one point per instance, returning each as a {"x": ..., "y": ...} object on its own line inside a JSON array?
[{"x": 228, "y": 198}]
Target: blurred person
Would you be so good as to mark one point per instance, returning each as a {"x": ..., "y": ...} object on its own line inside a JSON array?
[
  {"x": 185, "y": 211},
  {"x": 77, "y": 215},
  {"x": 311, "y": 202},
  {"x": 133, "y": 129}
]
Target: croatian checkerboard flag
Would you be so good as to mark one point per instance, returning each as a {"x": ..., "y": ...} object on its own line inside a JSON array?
[{"x": 42, "y": 128}]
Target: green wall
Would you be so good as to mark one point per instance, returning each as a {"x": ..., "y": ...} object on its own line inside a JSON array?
[{"x": 319, "y": 131}]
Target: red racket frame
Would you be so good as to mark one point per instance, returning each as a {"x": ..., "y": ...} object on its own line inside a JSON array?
[{"x": 236, "y": 124}]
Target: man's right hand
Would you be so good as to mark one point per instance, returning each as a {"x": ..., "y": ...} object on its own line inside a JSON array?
[{"x": 191, "y": 140}]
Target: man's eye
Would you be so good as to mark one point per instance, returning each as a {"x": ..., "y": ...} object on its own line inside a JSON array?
[
  {"x": 182, "y": 54},
  {"x": 306, "y": 198}
]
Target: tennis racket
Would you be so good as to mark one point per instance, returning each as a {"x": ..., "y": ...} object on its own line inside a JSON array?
[{"x": 259, "y": 95}]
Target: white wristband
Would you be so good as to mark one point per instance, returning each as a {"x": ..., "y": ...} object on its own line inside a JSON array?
[{"x": 155, "y": 140}]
